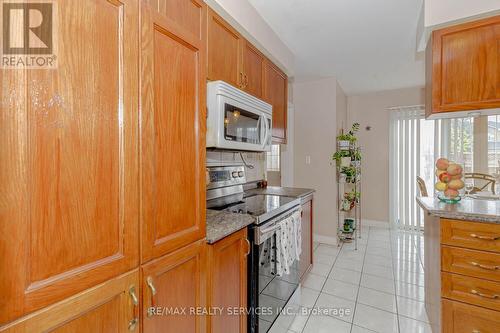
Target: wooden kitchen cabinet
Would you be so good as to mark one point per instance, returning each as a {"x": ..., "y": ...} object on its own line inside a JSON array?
[
  {"x": 224, "y": 51},
  {"x": 69, "y": 152},
  {"x": 227, "y": 287},
  {"x": 306, "y": 258},
  {"x": 108, "y": 307},
  {"x": 177, "y": 282},
  {"x": 173, "y": 89},
  {"x": 253, "y": 70},
  {"x": 276, "y": 94},
  {"x": 463, "y": 67}
]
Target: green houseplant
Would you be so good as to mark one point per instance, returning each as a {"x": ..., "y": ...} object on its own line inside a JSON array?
[{"x": 342, "y": 158}]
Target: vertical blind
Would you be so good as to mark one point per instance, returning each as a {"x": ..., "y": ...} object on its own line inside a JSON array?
[{"x": 404, "y": 166}]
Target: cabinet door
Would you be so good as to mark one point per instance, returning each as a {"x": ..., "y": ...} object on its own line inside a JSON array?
[
  {"x": 69, "y": 207},
  {"x": 275, "y": 93},
  {"x": 106, "y": 308},
  {"x": 228, "y": 282},
  {"x": 224, "y": 51},
  {"x": 306, "y": 255},
  {"x": 253, "y": 69},
  {"x": 177, "y": 283},
  {"x": 172, "y": 134},
  {"x": 465, "y": 67}
]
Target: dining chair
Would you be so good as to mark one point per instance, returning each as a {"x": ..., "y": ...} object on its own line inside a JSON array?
[
  {"x": 422, "y": 187},
  {"x": 485, "y": 181}
]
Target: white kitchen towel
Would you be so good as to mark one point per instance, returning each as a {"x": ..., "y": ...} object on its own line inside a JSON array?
[{"x": 297, "y": 221}]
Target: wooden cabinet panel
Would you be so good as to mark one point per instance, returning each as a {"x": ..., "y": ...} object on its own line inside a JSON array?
[
  {"x": 480, "y": 264},
  {"x": 464, "y": 67},
  {"x": 189, "y": 15},
  {"x": 253, "y": 69},
  {"x": 172, "y": 135},
  {"x": 471, "y": 290},
  {"x": 224, "y": 51},
  {"x": 227, "y": 286},
  {"x": 105, "y": 308},
  {"x": 179, "y": 282},
  {"x": 307, "y": 252},
  {"x": 276, "y": 94},
  {"x": 70, "y": 207},
  {"x": 463, "y": 318},
  {"x": 473, "y": 235}
]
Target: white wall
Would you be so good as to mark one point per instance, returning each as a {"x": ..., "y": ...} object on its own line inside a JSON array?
[
  {"x": 245, "y": 18},
  {"x": 315, "y": 128},
  {"x": 438, "y": 12},
  {"x": 371, "y": 110}
]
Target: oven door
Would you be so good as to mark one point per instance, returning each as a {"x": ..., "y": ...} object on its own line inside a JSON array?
[
  {"x": 243, "y": 128},
  {"x": 268, "y": 294}
]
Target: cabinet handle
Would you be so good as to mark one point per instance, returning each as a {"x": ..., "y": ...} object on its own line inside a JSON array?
[
  {"x": 149, "y": 282},
  {"x": 241, "y": 80},
  {"x": 477, "y": 293},
  {"x": 491, "y": 268},
  {"x": 490, "y": 238},
  {"x": 476, "y": 331},
  {"x": 135, "y": 301},
  {"x": 249, "y": 246},
  {"x": 246, "y": 80}
]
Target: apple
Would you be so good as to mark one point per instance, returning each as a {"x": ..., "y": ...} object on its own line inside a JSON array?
[
  {"x": 442, "y": 163},
  {"x": 440, "y": 186},
  {"x": 450, "y": 193},
  {"x": 459, "y": 176},
  {"x": 444, "y": 177},
  {"x": 454, "y": 169},
  {"x": 439, "y": 172},
  {"x": 456, "y": 184}
]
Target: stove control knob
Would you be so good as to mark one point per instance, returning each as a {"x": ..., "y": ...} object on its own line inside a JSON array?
[
  {"x": 240, "y": 173},
  {"x": 234, "y": 174}
]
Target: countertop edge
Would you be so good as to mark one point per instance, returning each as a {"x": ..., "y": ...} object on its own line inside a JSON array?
[{"x": 459, "y": 215}]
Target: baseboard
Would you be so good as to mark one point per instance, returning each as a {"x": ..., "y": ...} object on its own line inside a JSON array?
[{"x": 325, "y": 239}]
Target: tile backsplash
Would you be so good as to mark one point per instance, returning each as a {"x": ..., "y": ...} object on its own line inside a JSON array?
[{"x": 258, "y": 160}]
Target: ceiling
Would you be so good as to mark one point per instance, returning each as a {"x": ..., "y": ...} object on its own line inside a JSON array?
[{"x": 368, "y": 45}]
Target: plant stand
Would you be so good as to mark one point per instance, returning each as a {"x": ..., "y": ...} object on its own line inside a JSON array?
[{"x": 345, "y": 184}]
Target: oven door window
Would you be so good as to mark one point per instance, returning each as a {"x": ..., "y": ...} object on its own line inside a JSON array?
[{"x": 241, "y": 125}]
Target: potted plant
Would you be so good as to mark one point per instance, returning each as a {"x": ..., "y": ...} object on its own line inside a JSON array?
[
  {"x": 346, "y": 140},
  {"x": 356, "y": 158},
  {"x": 350, "y": 174},
  {"x": 342, "y": 158},
  {"x": 350, "y": 199}
]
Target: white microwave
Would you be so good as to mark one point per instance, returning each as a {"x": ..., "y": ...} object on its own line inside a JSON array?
[{"x": 237, "y": 120}]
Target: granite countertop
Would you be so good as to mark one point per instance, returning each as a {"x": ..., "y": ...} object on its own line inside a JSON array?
[
  {"x": 282, "y": 191},
  {"x": 466, "y": 209},
  {"x": 221, "y": 224}
]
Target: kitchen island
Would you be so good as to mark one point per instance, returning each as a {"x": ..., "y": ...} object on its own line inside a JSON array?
[{"x": 462, "y": 265}]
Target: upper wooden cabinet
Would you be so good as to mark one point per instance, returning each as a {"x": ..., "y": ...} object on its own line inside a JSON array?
[
  {"x": 227, "y": 288},
  {"x": 175, "y": 281},
  {"x": 253, "y": 70},
  {"x": 224, "y": 51},
  {"x": 276, "y": 94},
  {"x": 69, "y": 152},
  {"x": 463, "y": 67},
  {"x": 173, "y": 85},
  {"x": 108, "y": 307}
]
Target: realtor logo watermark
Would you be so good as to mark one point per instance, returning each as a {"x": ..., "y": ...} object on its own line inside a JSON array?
[{"x": 28, "y": 34}]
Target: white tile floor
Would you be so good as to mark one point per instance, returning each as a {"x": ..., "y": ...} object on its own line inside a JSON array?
[{"x": 377, "y": 288}]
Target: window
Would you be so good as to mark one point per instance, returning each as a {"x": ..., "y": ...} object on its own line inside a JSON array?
[
  {"x": 461, "y": 140},
  {"x": 493, "y": 144},
  {"x": 273, "y": 158}
]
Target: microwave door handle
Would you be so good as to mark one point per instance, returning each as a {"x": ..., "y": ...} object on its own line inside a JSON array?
[{"x": 266, "y": 131}]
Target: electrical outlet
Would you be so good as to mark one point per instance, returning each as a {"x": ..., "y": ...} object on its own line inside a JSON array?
[{"x": 308, "y": 159}]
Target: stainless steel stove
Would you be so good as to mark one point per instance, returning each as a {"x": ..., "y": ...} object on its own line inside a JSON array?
[{"x": 225, "y": 192}]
